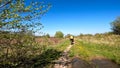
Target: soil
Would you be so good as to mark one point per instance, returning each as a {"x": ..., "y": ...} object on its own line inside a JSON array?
[{"x": 94, "y": 63}]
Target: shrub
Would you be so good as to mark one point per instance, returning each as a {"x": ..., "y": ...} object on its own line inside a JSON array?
[
  {"x": 116, "y": 26},
  {"x": 59, "y": 34}
]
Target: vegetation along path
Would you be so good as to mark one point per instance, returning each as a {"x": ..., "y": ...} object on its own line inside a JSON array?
[{"x": 83, "y": 57}]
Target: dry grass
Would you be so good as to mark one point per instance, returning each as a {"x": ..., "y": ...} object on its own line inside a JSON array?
[
  {"x": 49, "y": 41},
  {"x": 102, "y": 39}
]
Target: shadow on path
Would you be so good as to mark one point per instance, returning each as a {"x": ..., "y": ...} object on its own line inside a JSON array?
[
  {"x": 79, "y": 63},
  {"x": 45, "y": 58},
  {"x": 104, "y": 63},
  {"x": 40, "y": 61},
  {"x": 94, "y": 63}
]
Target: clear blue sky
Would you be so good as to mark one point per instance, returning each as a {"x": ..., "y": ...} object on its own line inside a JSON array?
[{"x": 80, "y": 16}]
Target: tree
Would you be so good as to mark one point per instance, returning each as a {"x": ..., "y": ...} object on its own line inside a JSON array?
[
  {"x": 59, "y": 34},
  {"x": 47, "y": 35},
  {"x": 16, "y": 16},
  {"x": 116, "y": 26},
  {"x": 18, "y": 21},
  {"x": 67, "y": 36}
]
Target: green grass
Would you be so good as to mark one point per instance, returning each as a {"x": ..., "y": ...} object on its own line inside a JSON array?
[
  {"x": 62, "y": 46},
  {"x": 88, "y": 50}
]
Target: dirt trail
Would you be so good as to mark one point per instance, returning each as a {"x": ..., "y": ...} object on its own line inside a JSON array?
[{"x": 63, "y": 61}]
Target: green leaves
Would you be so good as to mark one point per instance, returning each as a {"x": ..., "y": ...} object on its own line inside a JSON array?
[
  {"x": 17, "y": 12},
  {"x": 59, "y": 34},
  {"x": 116, "y": 26},
  {"x": 18, "y": 21},
  {"x": 27, "y": 9}
]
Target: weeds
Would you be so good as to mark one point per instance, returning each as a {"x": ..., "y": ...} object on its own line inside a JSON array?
[{"x": 88, "y": 50}]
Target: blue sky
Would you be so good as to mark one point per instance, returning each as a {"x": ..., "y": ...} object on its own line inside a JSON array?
[{"x": 80, "y": 16}]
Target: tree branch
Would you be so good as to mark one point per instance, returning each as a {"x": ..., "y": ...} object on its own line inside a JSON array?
[{"x": 5, "y": 4}]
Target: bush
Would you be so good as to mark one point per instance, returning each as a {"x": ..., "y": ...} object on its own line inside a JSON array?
[
  {"x": 59, "y": 34},
  {"x": 47, "y": 35},
  {"x": 116, "y": 26}
]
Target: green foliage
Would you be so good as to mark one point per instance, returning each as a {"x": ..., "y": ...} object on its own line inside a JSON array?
[
  {"x": 59, "y": 34},
  {"x": 47, "y": 36},
  {"x": 17, "y": 48},
  {"x": 116, "y": 26},
  {"x": 108, "y": 33},
  {"x": 62, "y": 46},
  {"x": 18, "y": 22},
  {"x": 68, "y": 36},
  {"x": 19, "y": 17},
  {"x": 81, "y": 34},
  {"x": 46, "y": 58}
]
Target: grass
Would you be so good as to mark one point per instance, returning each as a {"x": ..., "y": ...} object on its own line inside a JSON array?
[
  {"x": 89, "y": 50},
  {"x": 62, "y": 46}
]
